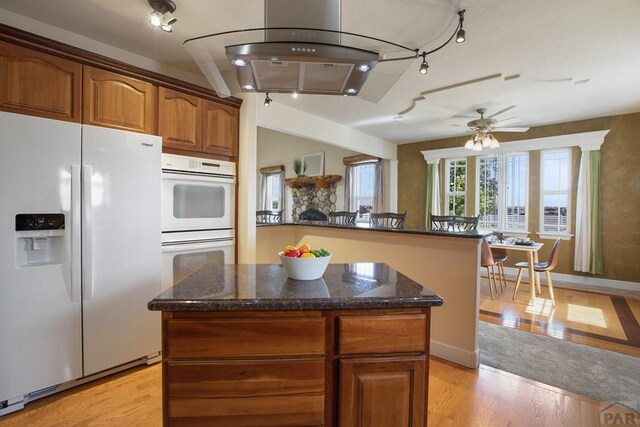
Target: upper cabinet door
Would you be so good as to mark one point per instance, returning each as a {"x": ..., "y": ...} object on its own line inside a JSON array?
[
  {"x": 180, "y": 120},
  {"x": 38, "y": 84},
  {"x": 119, "y": 102},
  {"x": 220, "y": 129}
]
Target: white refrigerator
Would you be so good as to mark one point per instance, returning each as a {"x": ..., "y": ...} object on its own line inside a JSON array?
[{"x": 80, "y": 252}]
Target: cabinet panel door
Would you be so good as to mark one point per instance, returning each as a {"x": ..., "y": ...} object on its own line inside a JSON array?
[
  {"x": 180, "y": 120},
  {"x": 383, "y": 392},
  {"x": 38, "y": 84},
  {"x": 116, "y": 101},
  {"x": 265, "y": 393},
  {"x": 220, "y": 129}
]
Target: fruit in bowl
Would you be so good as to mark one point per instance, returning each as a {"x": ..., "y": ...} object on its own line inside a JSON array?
[{"x": 304, "y": 263}]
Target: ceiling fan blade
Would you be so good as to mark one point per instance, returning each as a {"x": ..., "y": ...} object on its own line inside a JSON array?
[
  {"x": 520, "y": 129},
  {"x": 506, "y": 122},
  {"x": 502, "y": 111}
]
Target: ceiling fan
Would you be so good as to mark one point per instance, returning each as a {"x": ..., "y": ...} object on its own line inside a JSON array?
[{"x": 482, "y": 127}]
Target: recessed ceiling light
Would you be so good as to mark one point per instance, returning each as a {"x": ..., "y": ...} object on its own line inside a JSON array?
[
  {"x": 239, "y": 62},
  {"x": 248, "y": 87},
  {"x": 364, "y": 68}
]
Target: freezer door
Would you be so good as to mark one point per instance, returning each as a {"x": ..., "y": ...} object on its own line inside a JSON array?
[
  {"x": 122, "y": 246},
  {"x": 40, "y": 308}
]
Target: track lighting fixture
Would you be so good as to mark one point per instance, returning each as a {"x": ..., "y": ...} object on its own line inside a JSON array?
[
  {"x": 162, "y": 14},
  {"x": 267, "y": 100},
  {"x": 459, "y": 35}
]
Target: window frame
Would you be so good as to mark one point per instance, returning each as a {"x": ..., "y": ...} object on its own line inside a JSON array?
[
  {"x": 355, "y": 196},
  {"x": 556, "y": 233},
  {"x": 447, "y": 184},
  {"x": 502, "y": 198}
]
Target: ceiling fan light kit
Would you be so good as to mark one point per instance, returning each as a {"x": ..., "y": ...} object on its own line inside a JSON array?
[
  {"x": 482, "y": 127},
  {"x": 162, "y": 15}
]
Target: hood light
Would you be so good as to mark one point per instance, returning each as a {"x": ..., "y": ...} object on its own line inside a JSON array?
[
  {"x": 239, "y": 62},
  {"x": 248, "y": 87},
  {"x": 351, "y": 90},
  {"x": 363, "y": 68}
]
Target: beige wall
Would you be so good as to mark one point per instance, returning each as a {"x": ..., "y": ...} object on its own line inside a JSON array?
[{"x": 620, "y": 189}]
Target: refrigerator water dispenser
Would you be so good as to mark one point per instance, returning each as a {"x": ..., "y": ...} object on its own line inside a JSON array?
[{"x": 39, "y": 239}]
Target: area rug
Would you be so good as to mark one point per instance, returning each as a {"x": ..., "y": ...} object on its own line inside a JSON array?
[{"x": 600, "y": 374}]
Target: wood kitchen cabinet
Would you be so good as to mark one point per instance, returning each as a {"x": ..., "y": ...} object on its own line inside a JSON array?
[
  {"x": 196, "y": 126},
  {"x": 179, "y": 120},
  {"x": 116, "y": 101},
  {"x": 39, "y": 84},
  {"x": 346, "y": 368},
  {"x": 383, "y": 392},
  {"x": 220, "y": 129}
]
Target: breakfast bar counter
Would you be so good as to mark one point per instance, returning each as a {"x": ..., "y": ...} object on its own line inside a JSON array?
[{"x": 243, "y": 345}]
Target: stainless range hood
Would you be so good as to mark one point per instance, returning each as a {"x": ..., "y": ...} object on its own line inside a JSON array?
[{"x": 296, "y": 58}]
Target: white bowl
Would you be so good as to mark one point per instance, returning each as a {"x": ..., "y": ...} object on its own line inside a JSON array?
[{"x": 304, "y": 268}]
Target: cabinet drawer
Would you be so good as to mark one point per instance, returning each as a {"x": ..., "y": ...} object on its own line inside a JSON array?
[
  {"x": 248, "y": 392},
  {"x": 382, "y": 334},
  {"x": 245, "y": 337}
]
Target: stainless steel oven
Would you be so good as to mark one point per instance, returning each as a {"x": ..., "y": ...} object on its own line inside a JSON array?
[{"x": 197, "y": 194}]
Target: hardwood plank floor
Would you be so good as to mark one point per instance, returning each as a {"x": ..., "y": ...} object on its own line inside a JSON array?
[
  {"x": 598, "y": 318},
  {"x": 457, "y": 397}
]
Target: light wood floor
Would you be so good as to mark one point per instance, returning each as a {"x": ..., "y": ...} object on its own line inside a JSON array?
[
  {"x": 600, "y": 318},
  {"x": 457, "y": 397}
]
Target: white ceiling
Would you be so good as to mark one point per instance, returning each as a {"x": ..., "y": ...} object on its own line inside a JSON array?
[{"x": 546, "y": 61}]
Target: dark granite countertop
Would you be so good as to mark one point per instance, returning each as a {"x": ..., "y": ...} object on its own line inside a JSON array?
[
  {"x": 267, "y": 287},
  {"x": 473, "y": 234}
]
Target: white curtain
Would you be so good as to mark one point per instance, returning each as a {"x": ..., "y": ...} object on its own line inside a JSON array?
[
  {"x": 264, "y": 203},
  {"x": 583, "y": 216},
  {"x": 378, "y": 188},
  {"x": 435, "y": 190},
  {"x": 348, "y": 182}
]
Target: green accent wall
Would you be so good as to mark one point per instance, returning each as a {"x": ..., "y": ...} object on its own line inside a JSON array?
[{"x": 619, "y": 190}]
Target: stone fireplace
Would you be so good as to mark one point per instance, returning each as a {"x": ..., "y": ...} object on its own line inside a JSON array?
[{"x": 313, "y": 192}]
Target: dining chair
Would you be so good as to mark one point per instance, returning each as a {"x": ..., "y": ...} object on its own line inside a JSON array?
[
  {"x": 441, "y": 222},
  {"x": 342, "y": 217},
  {"x": 539, "y": 267},
  {"x": 387, "y": 220},
  {"x": 465, "y": 223},
  {"x": 268, "y": 217},
  {"x": 500, "y": 255},
  {"x": 486, "y": 260}
]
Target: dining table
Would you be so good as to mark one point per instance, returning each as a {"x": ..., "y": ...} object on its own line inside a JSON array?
[{"x": 532, "y": 257}]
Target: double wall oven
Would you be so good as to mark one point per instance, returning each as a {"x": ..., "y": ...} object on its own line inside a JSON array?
[{"x": 198, "y": 215}]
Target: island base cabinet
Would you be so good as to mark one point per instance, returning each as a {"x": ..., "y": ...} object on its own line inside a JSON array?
[
  {"x": 383, "y": 392},
  {"x": 251, "y": 393}
]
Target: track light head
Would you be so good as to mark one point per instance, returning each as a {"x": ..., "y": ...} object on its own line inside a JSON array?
[
  {"x": 162, "y": 17},
  {"x": 460, "y": 35},
  {"x": 424, "y": 66},
  {"x": 267, "y": 100}
]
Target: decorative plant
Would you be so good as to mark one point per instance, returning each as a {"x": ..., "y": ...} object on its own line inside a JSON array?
[{"x": 298, "y": 167}]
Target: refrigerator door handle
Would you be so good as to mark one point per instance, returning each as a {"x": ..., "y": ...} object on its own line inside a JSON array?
[
  {"x": 76, "y": 223},
  {"x": 87, "y": 234}
]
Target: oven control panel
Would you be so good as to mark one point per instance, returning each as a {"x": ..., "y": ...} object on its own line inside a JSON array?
[{"x": 196, "y": 164}]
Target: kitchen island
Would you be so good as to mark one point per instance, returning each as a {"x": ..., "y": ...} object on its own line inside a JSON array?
[{"x": 243, "y": 345}]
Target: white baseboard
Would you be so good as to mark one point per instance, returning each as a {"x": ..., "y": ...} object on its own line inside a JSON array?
[
  {"x": 579, "y": 280},
  {"x": 470, "y": 359}
]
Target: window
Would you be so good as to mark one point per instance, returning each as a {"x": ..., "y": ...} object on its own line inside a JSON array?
[
  {"x": 455, "y": 186},
  {"x": 362, "y": 190},
  {"x": 272, "y": 191},
  {"x": 502, "y": 191},
  {"x": 555, "y": 190}
]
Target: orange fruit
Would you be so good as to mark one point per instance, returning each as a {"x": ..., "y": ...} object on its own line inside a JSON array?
[
  {"x": 304, "y": 248},
  {"x": 307, "y": 255}
]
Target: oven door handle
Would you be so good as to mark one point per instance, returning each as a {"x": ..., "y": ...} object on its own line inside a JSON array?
[
  {"x": 189, "y": 246},
  {"x": 198, "y": 178}
]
